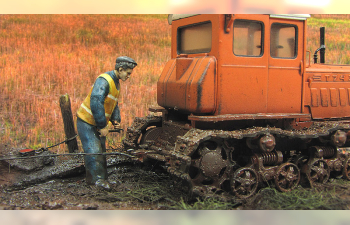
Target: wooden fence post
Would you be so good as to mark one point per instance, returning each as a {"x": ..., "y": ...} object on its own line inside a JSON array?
[{"x": 68, "y": 123}]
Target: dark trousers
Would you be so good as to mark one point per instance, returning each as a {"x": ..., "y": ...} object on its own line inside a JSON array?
[{"x": 95, "y": 165}]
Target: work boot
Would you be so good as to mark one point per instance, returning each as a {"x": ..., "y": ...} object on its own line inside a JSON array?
[{"x": 103, "y": 184}]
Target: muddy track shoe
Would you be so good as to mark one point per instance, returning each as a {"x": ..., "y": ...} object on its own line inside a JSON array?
[{"x": 103, "y": 184}]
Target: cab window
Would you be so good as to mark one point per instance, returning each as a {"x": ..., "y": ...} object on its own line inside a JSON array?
[
  {"x": 195, "y": 38},
  {"x": 283, "y": 41},
  {"x": 247, "y": 38}
]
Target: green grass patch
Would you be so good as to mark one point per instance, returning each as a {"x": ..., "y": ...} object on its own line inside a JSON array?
[
  {"x": 152, "y": 185},
  {"x": 35, "y": 146},
  {"x": 206, "y": 204},
  {"x": 15, "y": 20},
  {"x": 298, "y": 199},
  {"x": 84, "y": 34},
  {"x": 147, "y": 187},
  {"x": 347, "y": 60},
  {"x": 328, "y": 22}
]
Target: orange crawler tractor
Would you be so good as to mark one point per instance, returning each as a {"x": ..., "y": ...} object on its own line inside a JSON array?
[{"x": 241, "y": 105}]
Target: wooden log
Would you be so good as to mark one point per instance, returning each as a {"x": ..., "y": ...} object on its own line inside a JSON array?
[{"x": 68, "y": 123}]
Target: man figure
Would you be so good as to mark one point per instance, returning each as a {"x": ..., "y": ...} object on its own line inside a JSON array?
[{"x": 94, "y": 114}]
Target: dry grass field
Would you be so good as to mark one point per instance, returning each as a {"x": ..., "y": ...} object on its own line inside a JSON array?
[
  {"x": 45, "y": 56},
  {"x": 337, "y": 39}
]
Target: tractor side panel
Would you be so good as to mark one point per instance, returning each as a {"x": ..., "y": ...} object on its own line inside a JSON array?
[
  {"x": 327, "y": 91},
  {"x": 188, "y": 85}
]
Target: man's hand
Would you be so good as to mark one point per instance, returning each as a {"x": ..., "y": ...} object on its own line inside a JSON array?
[
  {"x": 105, "y": 131},
  {"x": 116, "y": 125}
]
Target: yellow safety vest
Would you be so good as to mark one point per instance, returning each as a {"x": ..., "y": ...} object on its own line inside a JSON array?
[{"x": 111, "y": 100}]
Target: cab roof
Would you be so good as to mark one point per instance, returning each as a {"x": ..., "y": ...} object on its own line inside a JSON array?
[{"x": 173, "y": 17}]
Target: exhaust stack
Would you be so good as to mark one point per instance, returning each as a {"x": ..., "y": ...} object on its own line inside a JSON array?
[{"x": 322, "y": 48}]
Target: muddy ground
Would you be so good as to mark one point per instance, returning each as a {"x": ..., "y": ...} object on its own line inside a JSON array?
[{"x": 59, "y": 183}]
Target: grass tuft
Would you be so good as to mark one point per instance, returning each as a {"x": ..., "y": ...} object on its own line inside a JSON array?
[
  {"x": 298, "y": 199},
  {"x": 205, "y": 204}
]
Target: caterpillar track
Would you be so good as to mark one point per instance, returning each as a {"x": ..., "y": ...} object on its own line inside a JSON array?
[{"x": 234, "y": 162}]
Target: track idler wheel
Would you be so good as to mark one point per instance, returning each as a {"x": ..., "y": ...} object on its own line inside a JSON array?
[
  {"x": 244, "y": 182},
  {"x": 287, "y": 177},
  {"x": 210, "y": 164},
  {"x": 346, "y": 168},
  {"x": 318, "y": 172},
  {"x": 151, "y": 135}
]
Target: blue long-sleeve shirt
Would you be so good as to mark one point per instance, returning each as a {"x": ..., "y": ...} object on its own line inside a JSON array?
[{"x": 97, "y": 99}]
